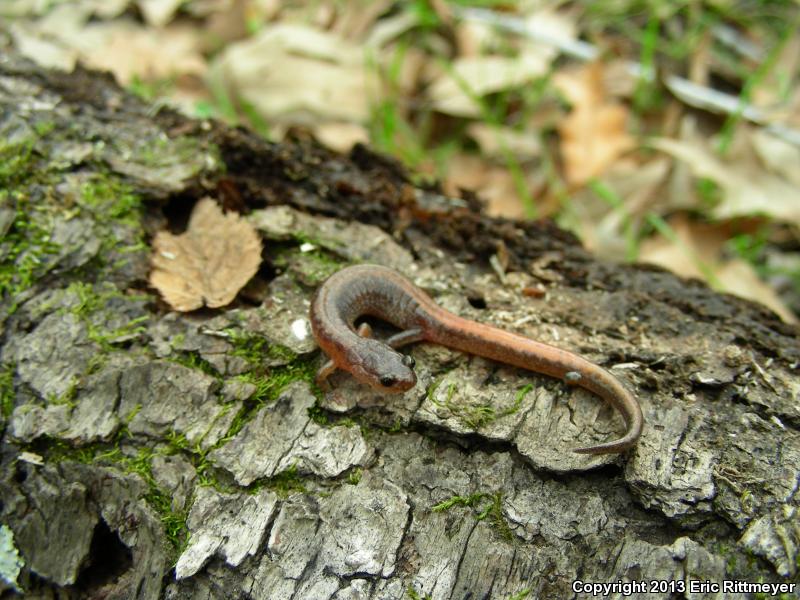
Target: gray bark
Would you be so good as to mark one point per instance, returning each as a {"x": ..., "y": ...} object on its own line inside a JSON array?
[{"x": 149, "y": 454}]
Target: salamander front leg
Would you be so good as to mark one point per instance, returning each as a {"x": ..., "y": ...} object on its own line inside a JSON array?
[
  {"x": 329, "y": 368},
  {"x": 325, "y": 371}
]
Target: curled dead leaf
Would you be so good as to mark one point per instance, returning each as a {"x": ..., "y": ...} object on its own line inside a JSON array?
[{"x": 207, "y": 264}]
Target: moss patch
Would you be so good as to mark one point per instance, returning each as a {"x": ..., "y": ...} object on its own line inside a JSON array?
[
  {"x": 110, "y": 199},
  {"x": 489, "y": 507},
  {"x": 269, "y": 386}
]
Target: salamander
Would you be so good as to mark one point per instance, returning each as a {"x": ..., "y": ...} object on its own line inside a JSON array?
[{"x": 372, "y": 290}]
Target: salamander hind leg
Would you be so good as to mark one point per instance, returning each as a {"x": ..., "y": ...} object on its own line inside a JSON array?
[{"x": 409, "y": 336}]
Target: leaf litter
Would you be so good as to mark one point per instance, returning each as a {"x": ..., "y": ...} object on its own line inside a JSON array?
[{"x": 209, "y": 263}]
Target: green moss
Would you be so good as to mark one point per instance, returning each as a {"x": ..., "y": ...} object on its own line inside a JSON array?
[
  {"x": 106, "y": 338},
  {"x": 521, "y": 595},
  {"x": 67, "y": 397},
  {"x": 42, "y": 128},
  {"x": 17, "y": 162},
  {"x": 56, "y": 451},
  {"x": 311, "y": 267},
  {"x": 494, "y": 513},
  {"x": 279, "y": 352},
  {"x": 132, "y": 414},
  {"x": 286, "y": 483},
  {"x": 355, "y": 476},
  {"x": 151, "y": 89},
  {"x": 158, "y": 152},
  {"x": 24, "y": 248},
  {"x": 470, "y": 500},
  {"x": 173, "y": 522},
  {"x": 491, "y": 511},
  {"x": 7, "y": 391},
  {"x": 478, "y": 416},
  {"x": 110, "y": 199},
  {"x": 268, "y": 387},
  {"x": 396, "y": 427},
  {"x": 414, "y": 595},
  {"x": 254, "y": 348},
  {"x": 473, "y": 416},
  {"x": 192, "y": 360},
  {"x": 521, "y": 393},
  {"x": 318, "y": 265},
  {"x": 91, "y": 299},
  {"x": 318, "y": 415}
]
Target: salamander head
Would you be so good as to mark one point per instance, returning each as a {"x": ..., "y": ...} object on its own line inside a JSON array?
[{"x": 382, "y": 368}]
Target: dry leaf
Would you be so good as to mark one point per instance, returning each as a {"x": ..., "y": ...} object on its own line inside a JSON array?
[
  {"x": 493, "y": 184},
  {"x": 553, "y": 30},
  {"x": 341, "y": 137},
  {"x": 297, "y": 73},
  {"x": 42, "y": 41},
  {"x": 43, "y": 50},
  {"x": 698, "y": 251},
  {"x": 594, "y": 134},
  {"x": 129, "y": 50},
  {"x": 121, "y": 46},
  {"x": 387, "y": 29},
  {"x": 778, "y": 155},
  {"x": 354, "y": 20},
  {"x": 455, "y": 90},
  {"x": 770, "y": 92},
  {"x": 207, "y": 264},
  {"x": 602, "y": 227},
  {"x": 748, "y": 189},
  {"x": 496, "y": 141},
  {"x": 740, "y": 278},
  {"x": 697, "y": 247},
  {"x": 159, "y": 12}
]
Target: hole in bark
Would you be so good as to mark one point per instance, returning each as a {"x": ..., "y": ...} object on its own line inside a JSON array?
[
  {"x": 476, "y": 302},
  {"x": 20, "y": 473},
  {"x": 109, "y": 558},
  {"x": 177, "y": 211}
]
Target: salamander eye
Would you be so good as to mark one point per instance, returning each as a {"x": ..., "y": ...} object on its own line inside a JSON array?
[
  {"x": 388, "y": 381},
  {"x": 409, "y": 361}
]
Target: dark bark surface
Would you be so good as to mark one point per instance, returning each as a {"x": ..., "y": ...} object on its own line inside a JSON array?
[{"x": 151, "y": 454}]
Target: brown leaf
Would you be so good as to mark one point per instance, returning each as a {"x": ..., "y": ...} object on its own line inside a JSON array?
[
  {"x": 747, "y": 188},
  {"x": 456, "y": 90},
  {"x": 593, "y": 135},
  {"x": 697, "y": 251},
  {"x": 492, "y": 183},
  {"x": 209, "y": 263},
  {"x": 693, "y": 251},
  {"x": 740, "y": 278},
  {"x": 273, "y": 71},
  {"x": 341, "y": 136}
]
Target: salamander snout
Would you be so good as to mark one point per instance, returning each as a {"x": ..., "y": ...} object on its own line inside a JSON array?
[
  {"x": 396, "y": 378},
  {"x": 383, "y": 368}
]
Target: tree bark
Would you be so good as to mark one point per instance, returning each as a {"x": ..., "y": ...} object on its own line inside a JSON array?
[{"x": 152, "y": 454}]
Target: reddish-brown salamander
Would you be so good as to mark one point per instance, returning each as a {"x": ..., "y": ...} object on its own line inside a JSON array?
[{"x": 371, "y": 290}]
